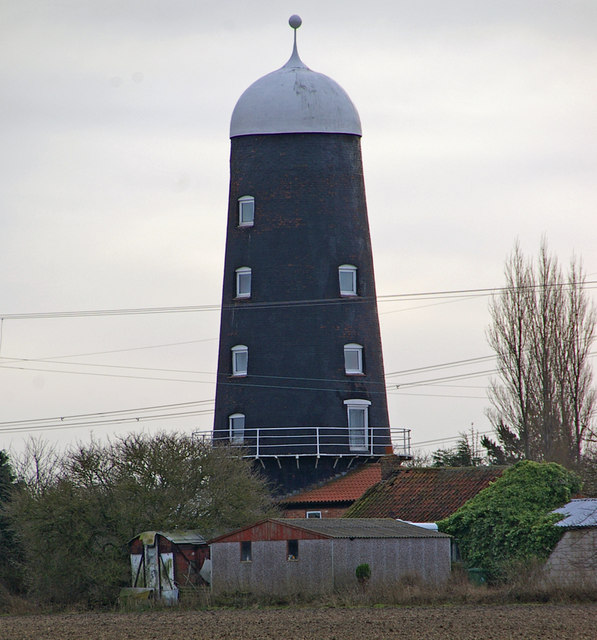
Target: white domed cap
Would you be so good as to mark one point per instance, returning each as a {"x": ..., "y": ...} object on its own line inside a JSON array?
[{"x": 294, "y": 99}]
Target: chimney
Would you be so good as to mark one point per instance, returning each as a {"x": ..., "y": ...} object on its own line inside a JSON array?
[{"x": 389, "y": 465}]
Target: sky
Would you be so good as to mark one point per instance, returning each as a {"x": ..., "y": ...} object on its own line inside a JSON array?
[{"x": 479, "y": 129}]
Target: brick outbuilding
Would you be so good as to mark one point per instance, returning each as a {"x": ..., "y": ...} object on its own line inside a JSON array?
[
  {"x": 423, "y": 494},
  {"x": 331, "y": 499},
  {"x": 574, "y": 560}
]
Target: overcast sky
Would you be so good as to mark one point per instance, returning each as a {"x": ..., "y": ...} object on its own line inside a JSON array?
[{"x": 479, "y": 127}]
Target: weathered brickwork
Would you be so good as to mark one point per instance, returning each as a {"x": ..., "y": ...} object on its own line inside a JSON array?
[{"x": 310, "y": 218}]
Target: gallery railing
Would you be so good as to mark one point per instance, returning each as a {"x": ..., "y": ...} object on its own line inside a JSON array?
[{"x": 314, "y": 441}]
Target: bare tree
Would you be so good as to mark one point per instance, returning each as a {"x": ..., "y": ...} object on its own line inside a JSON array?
[
  {"x": 37, "y": 466},
  {"x": 542, "y": 329},
  {"x": 577, "y": 383}
]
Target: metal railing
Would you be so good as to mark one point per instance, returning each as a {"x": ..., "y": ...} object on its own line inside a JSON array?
[{"x": 276, "y": 442}]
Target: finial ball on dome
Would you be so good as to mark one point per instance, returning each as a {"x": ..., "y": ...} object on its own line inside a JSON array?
[{"x": 295, "y": 21}]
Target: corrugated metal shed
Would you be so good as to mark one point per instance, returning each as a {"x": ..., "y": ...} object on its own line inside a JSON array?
[
  {"x": 581, "y": 512},
  {"x": 310, "y": 555},
  {"x": 363, "y": 528},
  {"x": 350, "y": 528},
  {"x": 190, "y": 536},
  {"x": 166, "y": 562}
]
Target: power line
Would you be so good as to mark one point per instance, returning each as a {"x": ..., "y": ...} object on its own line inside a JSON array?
[
  {"x": 102, "y": 418},
  {"x": 421, "y": 295},
  {"x": 106, "y": 375},
  {"x": 439, "y": 395},
  {"x": 107, "y": 366},
  {"x": 448, "y": 439},
  {"x": 77, "y": 416},
  {"x": 108, "y": 312},
  {"x": 461, "y": 376},
  {"x": 96, "y": 423},
  {"x": 444, "y": 365},
  {"x": 389, "y": 387},
  {"x": 151, "y": 346}
]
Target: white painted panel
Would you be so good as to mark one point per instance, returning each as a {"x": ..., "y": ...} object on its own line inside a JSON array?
[{"x": 135, "y": 564}]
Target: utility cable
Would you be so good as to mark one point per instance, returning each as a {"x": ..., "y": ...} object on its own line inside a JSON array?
[{"x": 422, "y": 295}]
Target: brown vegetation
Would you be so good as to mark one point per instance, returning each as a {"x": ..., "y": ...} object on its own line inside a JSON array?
[
  {"x": 464, "y": 622},
  {"x": 525, "y": 608}
]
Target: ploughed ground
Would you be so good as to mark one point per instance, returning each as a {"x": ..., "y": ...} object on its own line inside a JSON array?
[{"x": 544, "y": 621}]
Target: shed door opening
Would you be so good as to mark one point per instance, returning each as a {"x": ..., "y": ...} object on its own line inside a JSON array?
[
  {"x": 246, "y": 551},
  {"x": 293, "y": 550}
]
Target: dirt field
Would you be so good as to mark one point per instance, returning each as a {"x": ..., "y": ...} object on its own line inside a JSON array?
[{"x": 574, "y": 622}]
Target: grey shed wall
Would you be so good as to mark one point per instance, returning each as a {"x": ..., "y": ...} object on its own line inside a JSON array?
[
  {"x": 574, "y": 560},
  {"x": 325, "y": 565}
]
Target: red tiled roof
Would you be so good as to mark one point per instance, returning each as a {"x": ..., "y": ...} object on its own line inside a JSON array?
[
  {"x": 347, "y": 488},
  {"x": 423, "y": 495}
]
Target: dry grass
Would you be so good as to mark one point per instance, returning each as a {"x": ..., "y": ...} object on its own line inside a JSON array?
[
  {"x": 16, "y": 605},
  {"x": 524, "y": 585}
]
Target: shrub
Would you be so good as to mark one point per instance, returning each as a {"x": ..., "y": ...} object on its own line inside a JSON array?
[
  {"x": 74, "y": 526},
  {"x": 363, "y": 573},
  {"x": 510, "y": 521}
]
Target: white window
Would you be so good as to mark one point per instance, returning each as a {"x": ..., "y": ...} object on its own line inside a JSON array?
[
  {"x": 313, "y": 514},
  {"x": 347, "y": 275},
  {"x": 353, "y": 358},
  {"x": 240, "y": 360},
  {"x": 246, "y": 211},
  {"x": 243, "y": 282},
  {"x": 358, "y": 424},
  {"x": 236, "y": 422}
]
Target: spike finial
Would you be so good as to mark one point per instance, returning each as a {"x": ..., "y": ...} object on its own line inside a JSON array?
[{"x": 295, "y": 22}]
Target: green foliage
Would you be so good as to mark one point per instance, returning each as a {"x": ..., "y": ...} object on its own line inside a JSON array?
[
  {"x": 464, "y": 454},
  {"x": 508, "y": 449},
  {"x": 75, "y": 524},
  {"x": 7, "y": 477},
  {"x": 11, "y": 553},
  {"x": 509, "y": 521},
  {"x": 363, "y": 573}
]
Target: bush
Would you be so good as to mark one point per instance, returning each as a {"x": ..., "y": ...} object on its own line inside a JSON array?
[
  {"x": 363, "y": 573},
  {"x": 510, "y": 522},
  {"x": 74, "y": 526}
]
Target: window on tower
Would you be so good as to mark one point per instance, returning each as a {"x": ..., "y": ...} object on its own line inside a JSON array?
[
  {"x": 358, "y": 424},
  {"x": 246, "y": 211},
  {"x": 243, "y": 282},
  {"x": 353, "y": 359},
  {"x": 347, "y": 275},
  {"x": 240, "y": 360},
  {"x": 236, "y": 423}
]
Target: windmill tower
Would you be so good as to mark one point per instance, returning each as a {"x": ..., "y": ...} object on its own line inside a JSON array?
[{"x": 300, "y": 381}]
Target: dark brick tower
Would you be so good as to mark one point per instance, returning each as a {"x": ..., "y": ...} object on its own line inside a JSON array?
[{"x": 300, "y": 371}]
